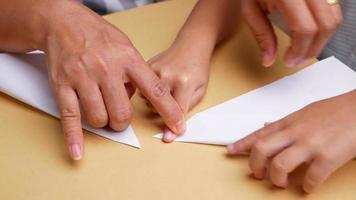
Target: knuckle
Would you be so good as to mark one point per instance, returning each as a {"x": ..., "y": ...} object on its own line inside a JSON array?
[
  {"x": 130, "y": 55},
  {"x": 122, "y": 116},
  {"x": 260, "y": 147},
  {"x": 98, "y": 120},
  {"x": 75, "y": 69},
  {"x": 58, "y": 79},
  {"x": 158, "y": 89},
  {"x": 69, "y": 114},
  {"x": 163, "y": 74},
  {"x": 103, "y": 66},
  {"x": 309, "y": 30},
  {"x": 184, "y": 80},
  {"x": 275, "y": 125},
  {"x": 329, "y": 26},
  {"x": 325, "y": 157},
  {"x": 279, "y": 164}
]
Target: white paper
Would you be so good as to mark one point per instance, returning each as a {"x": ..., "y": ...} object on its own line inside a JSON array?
[
  {"x": 24, "y": 77},
  {"x": 238, "y": 117}
]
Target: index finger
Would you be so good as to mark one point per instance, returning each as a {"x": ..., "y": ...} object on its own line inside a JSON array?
[
  {"x": 159, "y": 95},
  {"x": 70, "y": 118},
  {"x": 245, "y": 144},
  {"x": 262, "y": 30},
  {"x": 303, "y": 29}
]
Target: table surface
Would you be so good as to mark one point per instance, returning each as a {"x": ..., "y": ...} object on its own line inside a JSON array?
[{"x": 33, "y": 157}]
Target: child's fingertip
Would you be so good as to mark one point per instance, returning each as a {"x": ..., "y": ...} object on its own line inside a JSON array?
[
  {"x": 169, "y": 136},
  {"x": 231, "y": 149}
]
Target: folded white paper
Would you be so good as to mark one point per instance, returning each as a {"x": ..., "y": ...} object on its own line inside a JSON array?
[
  {"x": 24, "y": 77},
  {"x": 238, "y": 117}
]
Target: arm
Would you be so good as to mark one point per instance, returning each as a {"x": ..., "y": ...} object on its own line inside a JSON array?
[
  {"x": 185, "y": 64},
  {"x": 20, "y": 22},
  {"x": 92, "y": 65}
]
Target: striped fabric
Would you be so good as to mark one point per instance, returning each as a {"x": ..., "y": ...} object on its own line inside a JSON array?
[
  {"x": 107, "y": 6},
  {"x": 343, "y": 44}
]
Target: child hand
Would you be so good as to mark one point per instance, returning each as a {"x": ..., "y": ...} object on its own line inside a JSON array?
[
  {"x": 186, "y": 72},
  {"x": 322, "y": 134}
]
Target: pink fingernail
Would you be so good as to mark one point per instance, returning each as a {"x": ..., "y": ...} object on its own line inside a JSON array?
[
  {"x": 260, "y": 175},
  {"x": 76, "y": 151},
  {"x": 266, "y": 59},
  {"x": 169, "y": 136},
  {"x": 267, "y": 123},
  {"x": 231, "y": 149},
  {"x": 292, "y": 62}
]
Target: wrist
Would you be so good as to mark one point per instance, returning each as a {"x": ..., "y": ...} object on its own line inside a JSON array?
[
  {"x": 57, "y": 21},
  {"x": 38, "y": 21},
  {"x": 195, "y": 43}
]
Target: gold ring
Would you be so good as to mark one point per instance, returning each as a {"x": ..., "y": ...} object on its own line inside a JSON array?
[{"x": 332, "y": 2}]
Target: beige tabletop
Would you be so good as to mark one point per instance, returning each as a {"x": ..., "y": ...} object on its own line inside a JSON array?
[{"x": 33, "y": 158}]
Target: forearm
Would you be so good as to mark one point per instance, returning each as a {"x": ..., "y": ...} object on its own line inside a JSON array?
[
  {"x": 20, "y": 22},
  {"x": 209, "y": 23},
  {"x": 29, "y": 24}
]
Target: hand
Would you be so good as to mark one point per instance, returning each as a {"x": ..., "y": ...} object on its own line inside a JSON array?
[
  {"x": 186, "y": 73},
  {"x": 322, "y": 134},
  {"x": 94, "y": 65},
  {"x": 311, "y": 24}
]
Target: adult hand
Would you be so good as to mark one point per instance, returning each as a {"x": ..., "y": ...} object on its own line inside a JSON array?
[
  {"x": 311, "y": 24},
  {"x": 94, "y": 65},
  {"x": 323, "y": 135}
]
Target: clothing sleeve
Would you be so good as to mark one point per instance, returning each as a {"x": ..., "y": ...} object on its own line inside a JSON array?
[
  {"x": 343, "y": 43},
  {"x": 103, "y": 7}
]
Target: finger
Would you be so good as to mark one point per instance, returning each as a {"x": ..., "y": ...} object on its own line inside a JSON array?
[
  {"x": 337, "y": 13},
  {"x": 267, "y": 147},
  {"x": 303, "y": 29},
  {"x": 168, "y": 135},
  {"x": 117, "y": 102},
  {"x": 93, "y": 105},
  {"x": 322, "y": 167},
  {"x": 262, "y": 30},
  {"x": 159, "y": 95},
  {"x": 327, "y": 24},
  {"x": 197, "y": 97},
  {"x": 70, "y": 119},
  {"x": 245, "y": 144},
  {"x": 317, "y": 173},
  {"x": 286, "y": 162},
  {"x": 183, "y": 95}
]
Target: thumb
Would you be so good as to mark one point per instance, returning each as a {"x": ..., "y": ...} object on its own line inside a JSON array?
[
  {"x": 262, "y": 30},
  {"x": 183, "y": 95}
]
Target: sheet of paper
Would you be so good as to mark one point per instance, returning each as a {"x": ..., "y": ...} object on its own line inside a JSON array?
[
  {"x": 24, "y": 77},
  {"x": 238, "y": 117}
]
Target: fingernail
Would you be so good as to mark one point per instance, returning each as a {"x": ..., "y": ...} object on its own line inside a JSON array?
[
  {"x": 231, "y": 149},
  {"x": 76, "y": 151},
  {"x": 260, "y": 175},
  {"x": 267, "y": 59},
  {"x": 267, "y": 123},
  {"x": 181, "y": 127},
  {"x": 169, "y": 136},
  {"x": 294, "y": 61}
]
